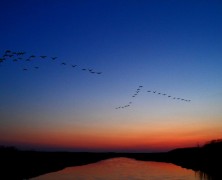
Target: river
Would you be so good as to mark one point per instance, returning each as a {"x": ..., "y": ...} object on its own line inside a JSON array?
[{"x": 123, "y": 169}]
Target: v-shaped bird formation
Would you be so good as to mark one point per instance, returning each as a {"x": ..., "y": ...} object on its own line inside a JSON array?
[
  {"x": 23, "y": 56},
  {"x": 154, "y": 92}
]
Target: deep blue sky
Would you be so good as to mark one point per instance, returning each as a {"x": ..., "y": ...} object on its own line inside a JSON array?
[{"x": 173, "y": 47}]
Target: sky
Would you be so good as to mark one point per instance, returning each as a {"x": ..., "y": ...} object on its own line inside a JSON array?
[{"x": 166, "y": 46}]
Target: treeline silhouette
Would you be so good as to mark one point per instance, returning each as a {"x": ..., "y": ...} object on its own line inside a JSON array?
[
  {"x": 206, "y": 159},
  {"x": 16, "y": 164}
]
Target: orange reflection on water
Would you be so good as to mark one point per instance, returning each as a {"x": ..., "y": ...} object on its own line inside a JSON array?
[{"x": 122, "y": 168}]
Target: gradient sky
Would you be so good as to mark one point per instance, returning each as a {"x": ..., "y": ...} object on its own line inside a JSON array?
[{"x": 168, "y": 46}]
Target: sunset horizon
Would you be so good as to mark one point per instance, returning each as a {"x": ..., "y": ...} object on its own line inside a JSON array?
[{"x": 120, "y": 76}]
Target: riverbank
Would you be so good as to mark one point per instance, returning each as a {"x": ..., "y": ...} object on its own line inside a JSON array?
[{"x": 18, "y": 165}]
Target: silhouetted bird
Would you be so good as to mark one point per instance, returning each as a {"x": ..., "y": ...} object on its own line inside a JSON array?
[
  {"x": 99, "y": 73},
  {"x": 7, "y": 51},
  {"x": 63, "y": 63},
  {"x": 73, "y": 65},
  {"x": 154, "y": 91},
  {"x": 84, "y": 69},
  {"x": 43, "y": 57},
  {"x": 20, "y": 53},
  {"x": 25, "y": 69},
  {"x": 53, "y": 58},
  {"x": 36, "y": 67},
  {"x": 32, "y": 56}
]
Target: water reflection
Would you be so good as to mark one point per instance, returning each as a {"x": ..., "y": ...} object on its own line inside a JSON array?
[{"x": 123, "y": 168}]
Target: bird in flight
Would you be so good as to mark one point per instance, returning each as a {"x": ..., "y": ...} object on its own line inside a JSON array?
[
  {"x": 53, "y": 58},
  {"x": 169, "y": 96},
  {"x": 7, "y": 51},
  {"x": 20, "y": 53},
  {"x": 17, "y": 55}
]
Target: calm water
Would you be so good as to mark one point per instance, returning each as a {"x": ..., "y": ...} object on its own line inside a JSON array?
[{"x": 121, "y": 169}]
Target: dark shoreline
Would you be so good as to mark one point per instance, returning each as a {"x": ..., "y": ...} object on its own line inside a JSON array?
[{"x": 18, "y": 165}]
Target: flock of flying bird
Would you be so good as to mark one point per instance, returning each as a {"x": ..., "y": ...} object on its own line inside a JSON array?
[
  {"x": 19, "y": 56},
  {"x": 154, "y": 92},
  {"x": 134, "y": 95}
]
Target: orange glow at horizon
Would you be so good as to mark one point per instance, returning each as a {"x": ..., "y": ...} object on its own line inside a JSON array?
[{"x": 129, "y": 138}]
